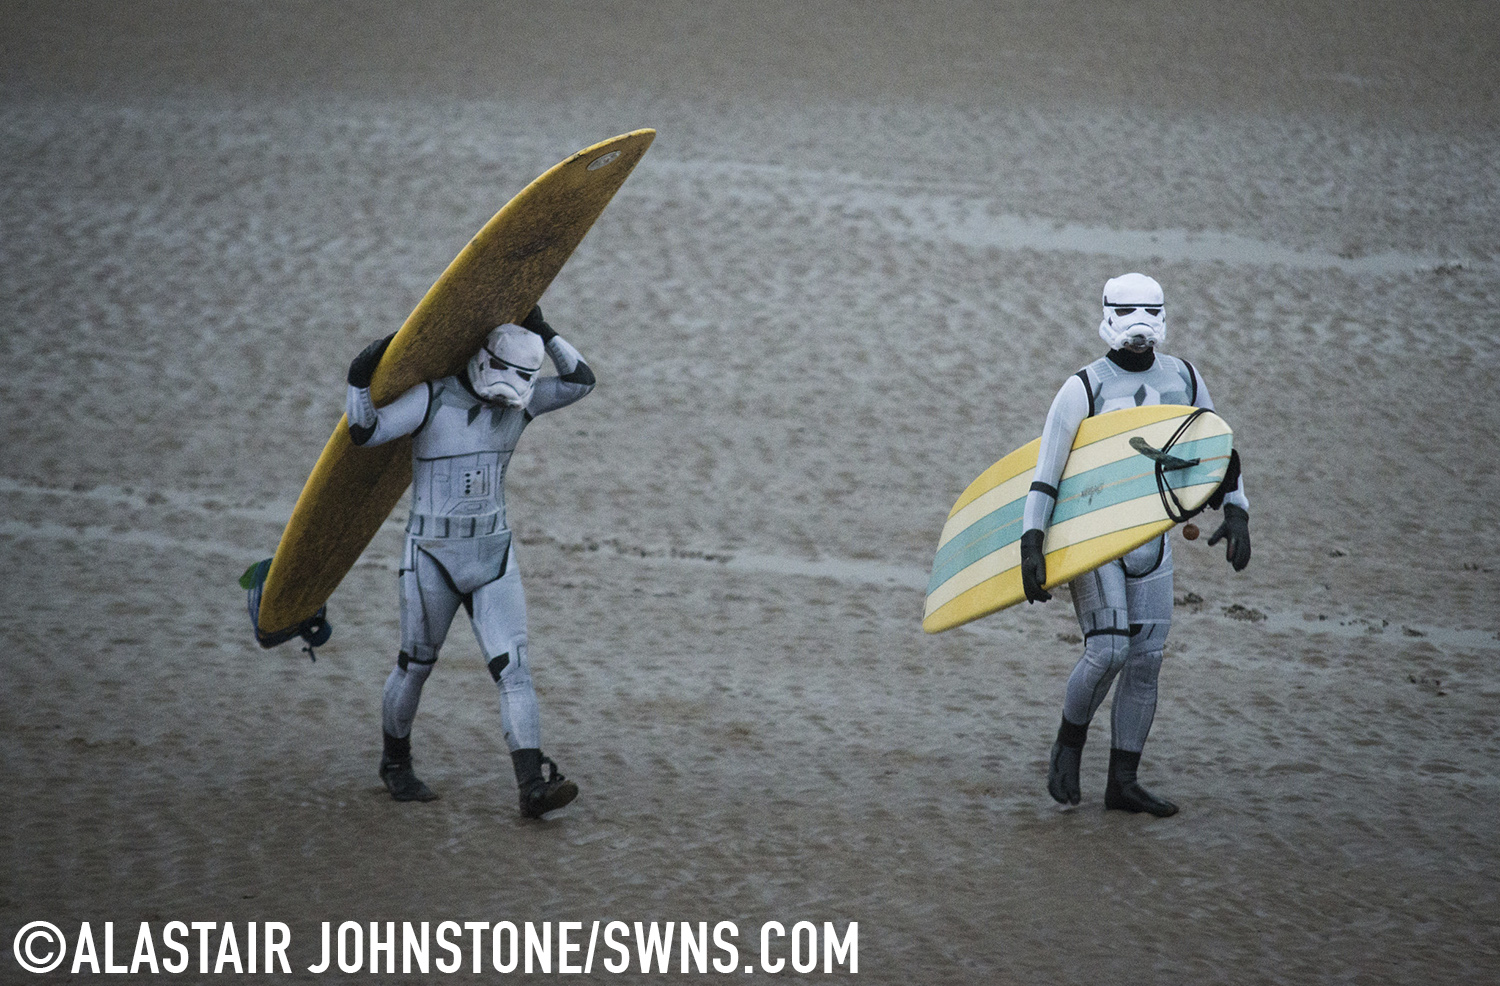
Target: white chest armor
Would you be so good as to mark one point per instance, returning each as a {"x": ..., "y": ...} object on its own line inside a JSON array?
[
  {"x": 459, "y": 458},
  {"x": 1167, "y": 381}
]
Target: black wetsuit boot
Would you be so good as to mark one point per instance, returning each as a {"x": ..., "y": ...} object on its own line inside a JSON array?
[
  {"x": 1067, "y": 753},
  {"x": 540, "y": 794},
  {"x": 1124, "y": 793},
  {"x": 396, "y": 772}
]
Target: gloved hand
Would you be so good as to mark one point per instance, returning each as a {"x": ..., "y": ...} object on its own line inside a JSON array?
[
  {"x": 537, "y": 324},
  {"x": 362, "y": 369},
  {"x": 1236, "y": 528},
  {"x": 1034, "y": 567}
]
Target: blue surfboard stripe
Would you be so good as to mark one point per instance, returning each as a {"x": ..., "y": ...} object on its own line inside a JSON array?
[{"x": 1118, "y": 481}]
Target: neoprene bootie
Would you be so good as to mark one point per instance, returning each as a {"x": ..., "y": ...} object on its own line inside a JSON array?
[
  {"x": 1124, "y": 793},
  {"x": 1067, "y": 754},
  {"x": 397, "y": 774},
  {"x": 540, "y": 794}
]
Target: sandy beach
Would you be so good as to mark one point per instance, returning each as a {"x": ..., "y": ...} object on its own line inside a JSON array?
[{"x": 863, "y": 253}]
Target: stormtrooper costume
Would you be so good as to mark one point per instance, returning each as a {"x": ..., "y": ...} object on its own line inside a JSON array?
[
  {"x": 1124, "y": 607},
  {"x": 459, "y": 549}
]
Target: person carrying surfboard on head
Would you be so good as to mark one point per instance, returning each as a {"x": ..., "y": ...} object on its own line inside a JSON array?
[
  {"x": 459, "y": 550},
  {"x": 1124, "y": 606}
]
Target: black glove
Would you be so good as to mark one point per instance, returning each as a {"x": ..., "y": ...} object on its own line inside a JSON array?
[
  {"x": 362, "y": 370},
  {"x": 1236, "y": 528},
  {"x": 1034, "y": 567},
  {"x": 537, "y": 324}
]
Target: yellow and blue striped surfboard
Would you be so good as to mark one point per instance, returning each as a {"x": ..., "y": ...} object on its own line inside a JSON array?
[{"x": 1108, "y": 503}]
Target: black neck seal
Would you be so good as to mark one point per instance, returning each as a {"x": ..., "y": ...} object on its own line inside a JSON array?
[{"x": 1132, "y": 362}]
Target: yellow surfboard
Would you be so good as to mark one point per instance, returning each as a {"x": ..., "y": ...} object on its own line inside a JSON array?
[
  {"x": 497, "y": 278},
  {"x": 1110, "y": 501}
]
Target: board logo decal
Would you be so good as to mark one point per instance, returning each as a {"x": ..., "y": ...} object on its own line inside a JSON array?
[{"x": 604, "y": 160}]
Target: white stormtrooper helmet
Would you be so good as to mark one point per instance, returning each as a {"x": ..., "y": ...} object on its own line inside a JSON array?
[
  {"x": 505, "y": 368},
  {"x": 1134, "y": 313}
]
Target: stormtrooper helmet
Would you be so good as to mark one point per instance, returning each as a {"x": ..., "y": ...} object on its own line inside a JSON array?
[
  {"x": 1134, "y": 314},
  {"x": 505, "y": 368}
]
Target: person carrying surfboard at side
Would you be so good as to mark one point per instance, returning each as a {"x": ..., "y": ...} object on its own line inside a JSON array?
[
  {"x": 459, "y": 550},
  {"x": 1124, "y": 606}
]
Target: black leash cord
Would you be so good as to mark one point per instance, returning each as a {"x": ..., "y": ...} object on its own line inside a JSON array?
[{"x": 1173, "y": 506}]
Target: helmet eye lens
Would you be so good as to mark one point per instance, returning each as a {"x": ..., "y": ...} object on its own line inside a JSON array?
[
  {"x": 496, "y": 363},
  {"x": 1153, "y": 312},
  {"x": 1122, "y": 312}
]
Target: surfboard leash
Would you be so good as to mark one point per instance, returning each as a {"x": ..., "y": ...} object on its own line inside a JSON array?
[{"x": 1176, "y": 512}]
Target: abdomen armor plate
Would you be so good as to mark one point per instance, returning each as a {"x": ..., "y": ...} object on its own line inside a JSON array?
[
  {"x": 460, "y": 455},
  {"x": 460, "y": 485}
]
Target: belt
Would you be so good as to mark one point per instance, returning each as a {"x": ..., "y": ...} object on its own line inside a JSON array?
[{"x": 447, "y": 526}]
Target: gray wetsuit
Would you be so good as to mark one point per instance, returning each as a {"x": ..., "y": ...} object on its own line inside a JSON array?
[
  {"x": 1124, "y": 607},
  {"x": 459, "y": 550}
]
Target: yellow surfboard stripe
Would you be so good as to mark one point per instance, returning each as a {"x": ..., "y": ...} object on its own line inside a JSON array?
[
  {"x": 1004, "y": 589},
  {"x": 1095, "y": 429}
]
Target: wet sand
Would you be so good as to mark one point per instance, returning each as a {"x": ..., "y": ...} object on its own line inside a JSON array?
[{"x": 860, "y": 258}]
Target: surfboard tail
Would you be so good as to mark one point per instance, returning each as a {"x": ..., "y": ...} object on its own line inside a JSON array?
[{"x": 315, "y": 630}]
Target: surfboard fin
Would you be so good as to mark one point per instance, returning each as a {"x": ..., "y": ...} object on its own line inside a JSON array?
[
  {"x": 315, "y": 630},
  {"x": 1166, "y": 460}
]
